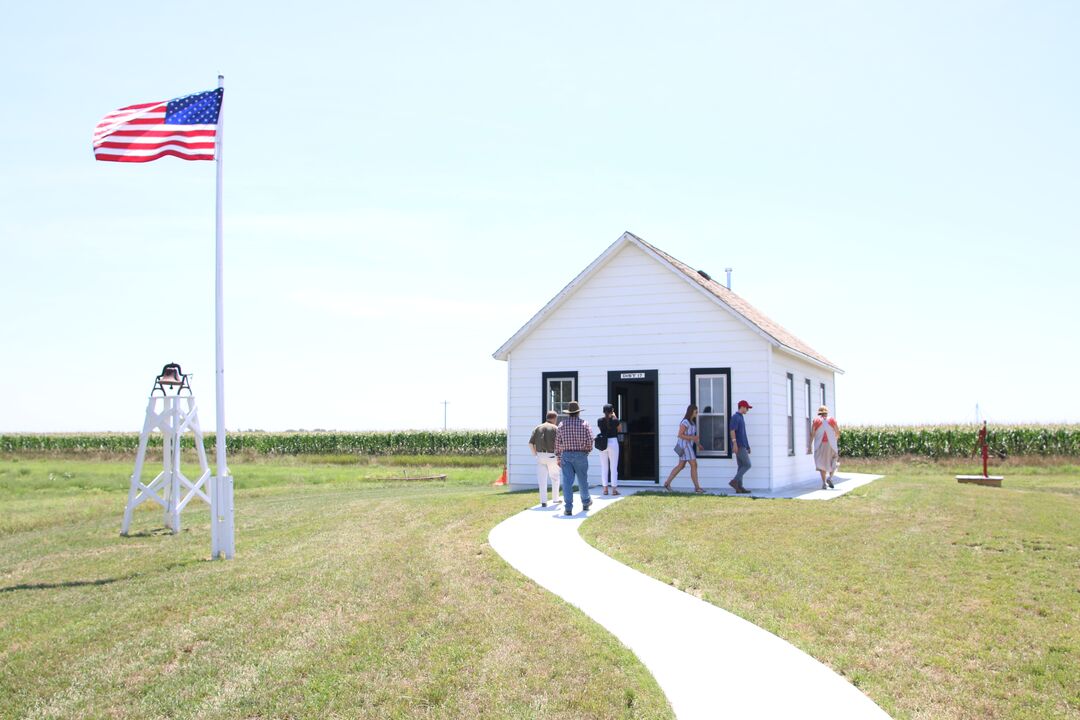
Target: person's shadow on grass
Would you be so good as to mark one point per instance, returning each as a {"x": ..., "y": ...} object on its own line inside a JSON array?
[
  {"x": 91, "y": 583},
  {"x": 68, "y": 584}
]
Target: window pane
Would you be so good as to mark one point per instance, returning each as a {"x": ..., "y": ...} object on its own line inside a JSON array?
[
  {"x": 560, "y": 392},
  {"x": 712, "y": 429},
  {"x": 704, "y": 394},
  {"x": 790, "y": 396},
  {"x": 560, "y": 396},
  {"x": 711, "y": 390}
]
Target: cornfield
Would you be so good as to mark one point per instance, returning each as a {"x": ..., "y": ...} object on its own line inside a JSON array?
[
  {"x": 470, "y": 442},
  {"x": 866, "y": 441},
  {"x": 945, "y": 441}
]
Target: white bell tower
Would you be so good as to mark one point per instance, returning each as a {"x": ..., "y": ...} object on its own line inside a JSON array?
[{"x": 173, "y": 415}]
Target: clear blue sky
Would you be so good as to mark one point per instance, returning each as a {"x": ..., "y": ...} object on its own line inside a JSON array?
[{"x": 407, "y": 183}]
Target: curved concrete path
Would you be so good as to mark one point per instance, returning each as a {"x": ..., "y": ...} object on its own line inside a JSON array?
[{"x": 709, "y": 662}]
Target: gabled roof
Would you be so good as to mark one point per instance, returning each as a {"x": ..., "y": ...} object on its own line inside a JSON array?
[{"x": 754, "y": 318}]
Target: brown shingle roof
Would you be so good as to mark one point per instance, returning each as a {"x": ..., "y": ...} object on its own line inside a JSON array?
[{"x": 740, "y": 306}]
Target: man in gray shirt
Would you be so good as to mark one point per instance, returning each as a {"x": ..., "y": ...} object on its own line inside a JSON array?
[{"x": 542, "y": 445}]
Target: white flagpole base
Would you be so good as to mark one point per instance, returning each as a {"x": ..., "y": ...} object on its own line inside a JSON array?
[{"x": 222, "y": 530}]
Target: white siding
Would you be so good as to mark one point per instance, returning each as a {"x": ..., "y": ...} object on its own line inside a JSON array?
[
  {"x": 636, "y": 314},
  {"x": 790, "y": 470}
]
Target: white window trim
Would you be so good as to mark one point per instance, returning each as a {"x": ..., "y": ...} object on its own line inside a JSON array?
[
  {"x": 547, "y": 392},
  {"x": 808, "y": 386},
  {"x": 725, "y": 379},
  {"x": 789, "y": 392}
]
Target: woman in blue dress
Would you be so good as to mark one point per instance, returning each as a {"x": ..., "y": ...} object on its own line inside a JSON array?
[{"x": 687, "y": 448}]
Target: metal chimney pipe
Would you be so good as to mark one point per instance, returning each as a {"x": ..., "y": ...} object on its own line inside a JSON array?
[{"x": 728, "y": 271}]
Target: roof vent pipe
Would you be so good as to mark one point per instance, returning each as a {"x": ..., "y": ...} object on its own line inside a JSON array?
[{"x": 728, "y": 271}]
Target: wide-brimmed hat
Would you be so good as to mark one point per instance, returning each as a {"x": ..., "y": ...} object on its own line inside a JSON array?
[
  {"x": 572, "y": 408},
  {"x": 823, "y": 409}
]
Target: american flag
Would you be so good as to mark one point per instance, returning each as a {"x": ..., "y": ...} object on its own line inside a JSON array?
[{"x": 185, "y": 127}]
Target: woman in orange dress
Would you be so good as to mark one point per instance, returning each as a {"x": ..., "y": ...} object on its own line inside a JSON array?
[{"x": 826, "y": 438}]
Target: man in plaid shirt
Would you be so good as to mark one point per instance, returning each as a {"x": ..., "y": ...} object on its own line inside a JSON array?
[{"x": 573, "y": 443}]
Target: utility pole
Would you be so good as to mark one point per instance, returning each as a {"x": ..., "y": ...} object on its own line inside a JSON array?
[{"x": 444, "y": 404}]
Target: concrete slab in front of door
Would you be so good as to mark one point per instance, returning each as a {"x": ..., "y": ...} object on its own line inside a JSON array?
[
  {"x": 845, "y": 482},
  {"x": 709, "y": 662}
]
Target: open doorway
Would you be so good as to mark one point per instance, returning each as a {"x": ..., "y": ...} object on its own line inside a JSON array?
[{"x": 633, "y": 393}]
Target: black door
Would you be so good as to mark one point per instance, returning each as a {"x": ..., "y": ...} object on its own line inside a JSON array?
[{"x": 633, "y": 393}]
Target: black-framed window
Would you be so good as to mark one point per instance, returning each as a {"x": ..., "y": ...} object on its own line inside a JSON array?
[
  {"x": 809, "y": 413},
  {"x": 823, "y": 394},
  {"x": 557, "y": 389},
  {"x": 710, "y": 390},
  {"x": 790, "y": 414}
]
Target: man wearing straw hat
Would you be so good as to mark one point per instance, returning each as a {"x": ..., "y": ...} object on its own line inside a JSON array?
[
  {"x": 573, "y": 442},
  {"x": 826, "y": 437}
]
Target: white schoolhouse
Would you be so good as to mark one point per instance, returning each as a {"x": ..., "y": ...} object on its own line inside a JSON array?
[{"x": 679, "y": 337}]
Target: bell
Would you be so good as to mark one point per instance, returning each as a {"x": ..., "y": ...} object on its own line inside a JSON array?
[{"x": 171, "y": 375}]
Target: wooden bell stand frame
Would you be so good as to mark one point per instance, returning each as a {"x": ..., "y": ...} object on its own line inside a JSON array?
[{"x": 172, "y": 415}]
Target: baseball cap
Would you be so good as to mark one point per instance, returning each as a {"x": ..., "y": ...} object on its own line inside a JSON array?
[{"x": 743, "y": 403}]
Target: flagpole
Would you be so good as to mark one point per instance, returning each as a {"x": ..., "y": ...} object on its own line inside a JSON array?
[{"x": 221, "y": 510}]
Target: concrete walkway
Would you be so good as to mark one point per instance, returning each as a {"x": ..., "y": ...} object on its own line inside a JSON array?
[
  {"x": 845, "y": 482},
  {"x": 709, "y": 662}
]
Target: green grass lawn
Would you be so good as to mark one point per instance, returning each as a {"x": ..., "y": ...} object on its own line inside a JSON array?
[
  {"x": 352, "y": 596},
  {"x": 938, "y": 600}
]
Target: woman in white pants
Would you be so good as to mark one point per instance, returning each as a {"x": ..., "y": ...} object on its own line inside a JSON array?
[{"x": 608, "y": 427}]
